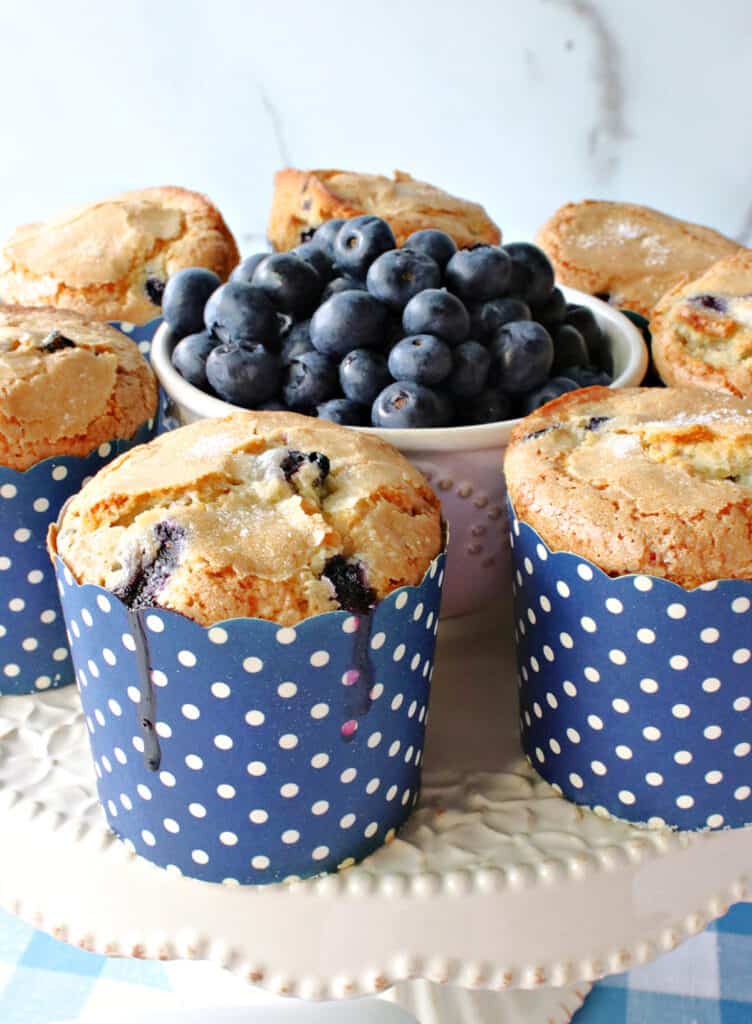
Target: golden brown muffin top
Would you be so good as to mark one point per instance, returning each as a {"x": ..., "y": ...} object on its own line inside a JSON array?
[
  {"x": 110, "y": 259},
  {"x": 640, "y": 480},
  {"x": 243, "y": 516},
  {"x": 67, "y": 385},
  {"x": 631, "y": 253}
]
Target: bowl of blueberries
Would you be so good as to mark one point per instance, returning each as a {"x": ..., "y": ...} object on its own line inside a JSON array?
[{"x": 438, "y": 350}]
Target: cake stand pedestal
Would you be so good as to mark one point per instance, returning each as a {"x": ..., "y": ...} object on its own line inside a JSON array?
[{"x": 495, "y": 884}]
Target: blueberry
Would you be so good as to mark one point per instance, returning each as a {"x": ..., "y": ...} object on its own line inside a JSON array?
[
  {"x": 184, "y": 299},
  {"x": 295, "y": 460},
  {"x": 490, "y": 406},
  {"x": 363, "y": 374},
  {"x": 315, "y": 255},
  {"x": 436, "y": 311},
  {"x": 471, "y": 365},
  {"x": 325, "y": 235},
  {"x": 584, "y": 320},
  {"x": 154, "y": 289},
  {"x": 422, "y": 358},
  {"x": 359, "y": 241},
  {"x": 479, "y": 274},
  {"x": 347, "y": 321},
  {"x": 396, "y": 276},
  {"x": 291, "y": 285},
  {"x": 585, "y": 376},
  {"x": 296, "y": 342},
  {"x": 569, "y": 348},
  {"x": 155, "y": 569},
  {"x": 245, "y": 375},
  {"x": 273, "y": 405},
  {"x": 522, "y": 354},
  {"x": 238, "y": 313},
  {"x": 247, "y": 268},
  {"x": 437, "y": 244},
  {"x": 552, "y": 389},
  {"x": 553, "y": 311},
  {"x": 532, "y": 278},
  {"x": 311, "y": 379},
  {"x": 487, "y": 317},
  {"x": 406, "y": 404},
  {"x": 348, "y": 579},
  {"x": 56, "y": 341},
  {"x": 345, "y": 412},
  {"x": 343, "y": 284},
  {"x": 189, "y": 358}
]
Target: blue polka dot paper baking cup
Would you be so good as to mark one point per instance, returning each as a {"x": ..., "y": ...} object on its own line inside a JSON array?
[
  {"x": 141, "y": 334},
  {"x": 268, "y": 752},
  {"x": 33, "y": 649},
  {"x": 635, "y": 694}
]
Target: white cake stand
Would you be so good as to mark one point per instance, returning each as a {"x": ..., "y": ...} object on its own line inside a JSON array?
[{"x": 496, "y": 884}]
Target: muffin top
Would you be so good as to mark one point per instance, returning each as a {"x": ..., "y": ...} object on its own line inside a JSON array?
[
  {"x": 67, "y": 385},
  {"x": 627, "y": 253},
  {"x": 265, "y": 515},
  {"x": 640, "y": 480},
  {"x": 111, "y": 259},
  {"x": 702, "y": 330}
]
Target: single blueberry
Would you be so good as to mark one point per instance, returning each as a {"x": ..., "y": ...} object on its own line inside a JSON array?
[
  {"x": 247, "y": 268},
  {"x": 315, "y": 255},
  {"x": 569, "y": 348},
  {"x": 346, "y": 321},
  {"x": 359, "y": 241},
  {"x": 552, "y": 311},
  {"x": 445, "y": 408},
  {"x": 396, "y": 276},
  {"x": 291, "y": 285},
  {"x": 479, "y": 274},
  {"x": 325, "y": 234},
  {"x": 296, "y": 342},
  {"x": 244, "y": 375},
  {"x": 490, "y": 406},
  {"x": 154, "y": 288},
  {"x": 552, "y": 389},
  {"x": 521, "y": 356},
  {"x": 596, "y": 422},
  {"x": 487, "y": 317},
  {"x": 311, "y": 379},
  {"x": 345, "y": 412},
  {"x": 184, "y": 298},
  {"x": 437, "y": 311},
  {"x": 406, "y": 405},
  {"x": 343, "y": 284},
  {"x": 348, "y": 579},
  {"x": 295, "y": 459},
  {"x": 437, "y": 244},
  {"x": 239, "y": 313},
  {"x": 584, "y": 320},
  {"x": 189, "y": 358},
  {"x": 422, "y": 358},
  {"x": 141, "y": 590},
  {"x": 471, "y": 365},
  {"x": 56, "y": 341},
  {"x": 532, "y": 276},
  {"x": 363, "y": 374}
]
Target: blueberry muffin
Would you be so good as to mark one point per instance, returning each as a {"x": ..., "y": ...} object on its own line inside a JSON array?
[
  {"x": 627, "y": 254},
  {"x": 640, "y": 480},
  {"x": 263, "y": 515},
  {"x": 67, "y": 385},
  {"x": 110, "y": 260},
  {"x": 702, "y": 331},
  {"x": 305, "y": 199}
]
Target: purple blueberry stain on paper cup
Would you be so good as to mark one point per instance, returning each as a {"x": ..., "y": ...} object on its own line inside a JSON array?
[
  {"x": 254, "y": 752},
  {"x": 635, "y": 693}
]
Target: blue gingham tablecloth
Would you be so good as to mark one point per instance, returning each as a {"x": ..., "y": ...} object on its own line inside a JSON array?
[{"x": 708, "y": 980}]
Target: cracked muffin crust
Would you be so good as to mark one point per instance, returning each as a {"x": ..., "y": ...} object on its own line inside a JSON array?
[
  {"x": 67, "y": 385},
  {"x": 640, "y": 480},
  {"x": 702, "y": 331},
  {"x": 303, "y": 200},
  {"x": 111, "y": 260},
  {"x": 629, "y": 255},
  {"x": 266, "y": 515}
]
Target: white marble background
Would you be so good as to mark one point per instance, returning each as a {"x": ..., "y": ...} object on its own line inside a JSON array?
[{"x": 521, "y": 104}]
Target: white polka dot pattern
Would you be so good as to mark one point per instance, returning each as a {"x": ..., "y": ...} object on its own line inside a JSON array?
[
  {"x": 645, "y": 708},
  {"x": 269, "y": 737},
  {"x": 33, "y": 642}
]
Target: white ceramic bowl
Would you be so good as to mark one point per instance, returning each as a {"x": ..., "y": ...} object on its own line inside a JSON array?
[{"x": 464, "y": 464}]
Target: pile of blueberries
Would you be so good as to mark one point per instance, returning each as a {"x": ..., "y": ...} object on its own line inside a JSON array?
[{"x": 351, "y": 328}]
